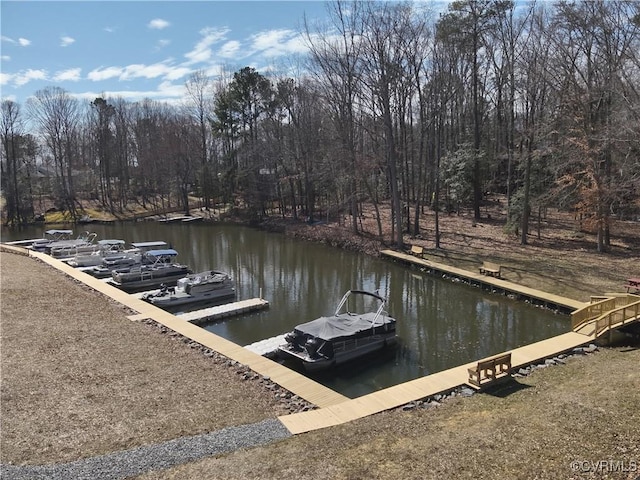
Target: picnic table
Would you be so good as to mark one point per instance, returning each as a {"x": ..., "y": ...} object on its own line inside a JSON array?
[{"x": 633, "y": 285}]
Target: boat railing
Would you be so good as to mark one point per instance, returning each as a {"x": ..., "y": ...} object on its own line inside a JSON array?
[
  {"x": 56, "y": 235},
  {"x": 379, "y": 311}
]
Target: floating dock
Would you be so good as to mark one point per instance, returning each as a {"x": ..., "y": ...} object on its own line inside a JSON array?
[
  {"x": 223, "y": 311},
  {"x": 267, "y": 348},
  {"x": 22, "y": 243},
  {"x": 216, "y": 312}
]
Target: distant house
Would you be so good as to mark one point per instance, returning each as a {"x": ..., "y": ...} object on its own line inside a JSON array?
[{"x": 44, "y": 179}]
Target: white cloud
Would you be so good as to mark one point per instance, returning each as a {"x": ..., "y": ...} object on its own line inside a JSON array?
[
  {"x": 5, "y": 58},
  {"x": 5, "y": 78},
  {"x": 266, "y": 40},
  {"x": 133, "y": 71},
  {"x": 177, "y": 73},
  {"x": 66, "y": 41},
  {"x": 230, "y": 49},
  {"x": 162, "y": 44},
  {"x": 168, "y": 89},
  {"x": 23, "y": 42},
  {"x": 100, "y": 74},
  {"x": 70, "y": 75},
  {"x": 273, "y": 43},
  {"x": 144, "y": 71},
  {"x": 215, "y": 71},
  {"x": 25, "y": 76},
  {"x": 158, "y": 24},
  {"x": 202, "y": 51}
]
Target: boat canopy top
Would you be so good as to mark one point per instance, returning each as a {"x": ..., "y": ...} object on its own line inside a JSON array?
[
  {"x": 344, "y": 325},
  {"x": 148, "y": 244},
  {"x": 108, "y": 242},
  {"x": 169, "y": 252},
  {"x": 59, "y": 232}
]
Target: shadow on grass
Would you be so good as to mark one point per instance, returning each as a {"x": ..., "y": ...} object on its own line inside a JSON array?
[{"x": 505, "y": 388}]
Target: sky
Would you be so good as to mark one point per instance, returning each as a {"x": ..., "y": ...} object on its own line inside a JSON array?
[{"x": 143, "y": 49}]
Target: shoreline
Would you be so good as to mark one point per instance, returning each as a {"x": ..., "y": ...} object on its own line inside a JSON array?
[{"x": 67, "y": 395}]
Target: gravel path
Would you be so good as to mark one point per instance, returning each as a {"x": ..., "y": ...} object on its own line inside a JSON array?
[{"x": 153, "y": 457}]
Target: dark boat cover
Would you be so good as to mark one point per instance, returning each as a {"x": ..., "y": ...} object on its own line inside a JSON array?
[{"x": 344, "y": 325}]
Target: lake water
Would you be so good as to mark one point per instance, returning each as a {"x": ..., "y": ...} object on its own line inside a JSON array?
[{"x": 441, "y": 324}]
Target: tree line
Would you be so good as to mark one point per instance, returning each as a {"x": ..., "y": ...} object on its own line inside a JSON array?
[{"x": 396, "y": 103}]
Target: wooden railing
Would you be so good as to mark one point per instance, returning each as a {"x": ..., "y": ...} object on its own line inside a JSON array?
[
  {"x": 599, "y": 308},
  {"x": 617, "y": 317}
]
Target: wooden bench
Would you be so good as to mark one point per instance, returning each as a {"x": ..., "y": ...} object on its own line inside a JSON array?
[
  {"x": 417, "y": 250},
  {"x": 490, "y": 370},
  {"x": 491, "y": 269}
]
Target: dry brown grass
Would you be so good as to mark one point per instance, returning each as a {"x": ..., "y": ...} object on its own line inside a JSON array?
[
  {"x": 79, "y": 379},
  {"x": 77, "y": 384},
  {"x": 562, "y": 260},
  {"x": 584, "y": 410}
]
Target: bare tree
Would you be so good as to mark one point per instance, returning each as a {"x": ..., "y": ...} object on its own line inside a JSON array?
[
  {"x": 152, "y": 127},
  {"x": 336, "y": 62},
  {"x": 532, "y": 65},
  {"x": 417, "y": 44},
  {"x": 57, "y": 115},
  {"x": 294, "y": 140},
  {"x": 182, "y": 138},
  {"x": 14, "y": 165},
  {"x": 594, "y": 41},
  {"x": 468, "y": 22},
  {"x": 385, "y": 60},
  {"x": 103, "y": 135},
  {"x": 199, "y": 105},
  {"x": 503, "y": 47}
]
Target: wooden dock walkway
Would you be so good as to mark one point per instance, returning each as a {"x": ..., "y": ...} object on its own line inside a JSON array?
[
  {"x": 335, "y": 408},
  {"x": 420, "y": 388},
  {"x": 473, "y": 278},
  {"x": 296, "y": 383}
]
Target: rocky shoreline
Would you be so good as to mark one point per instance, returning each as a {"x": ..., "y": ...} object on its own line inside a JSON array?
[
  {"x": 293, "y": 403},
  {"x": 290, "y": 402},
  {"x": 465, "y": 391}
]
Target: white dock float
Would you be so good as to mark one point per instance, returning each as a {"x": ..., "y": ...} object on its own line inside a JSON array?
[
  {"x": 22, "y": 243},
  {"x": 222, "y": 311},
  {"x": 267, "y": 347}
]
